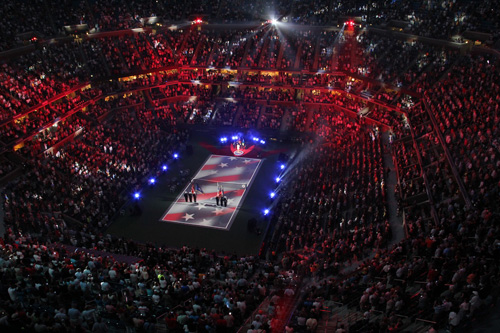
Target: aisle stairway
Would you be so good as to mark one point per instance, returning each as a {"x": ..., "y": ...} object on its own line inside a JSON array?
[{"x": 395, "y": 219}]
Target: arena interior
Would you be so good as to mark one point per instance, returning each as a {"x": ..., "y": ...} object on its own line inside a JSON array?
[{"x": 224, "y": 166}]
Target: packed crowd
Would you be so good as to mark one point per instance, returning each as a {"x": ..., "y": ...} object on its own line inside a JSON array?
[
  {"x": 333, "y": 212},
  {"x": 437, "y": 19},
  {"x": 60, "y": 288},
  {"x": 467, "y": 116},
  {"x": 108, "y": 56}
]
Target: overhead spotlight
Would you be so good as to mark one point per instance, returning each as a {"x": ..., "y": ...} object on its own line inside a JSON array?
[
  {"x": 272, "y": 195},
  {"x": 176, "y": 156},
  {"x": 164, "y": 167},
  {"x": 137, "y": 195},
  {"x": 282, "y": 167},
  {"x": 266, "y": 211},
  {"x": 152, "y": 181}
]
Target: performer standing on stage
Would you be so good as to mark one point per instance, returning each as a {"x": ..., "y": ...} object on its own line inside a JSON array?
[
  {"x": 220, "y": 195},
  {"x": 193, "y": 192}
]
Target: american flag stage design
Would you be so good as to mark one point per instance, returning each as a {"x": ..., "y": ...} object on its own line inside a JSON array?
[{"x": 228, "y": 175}]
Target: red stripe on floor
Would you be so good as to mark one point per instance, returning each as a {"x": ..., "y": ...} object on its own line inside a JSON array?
[
  {"x": 173, "y": 217},
  {"x": 204, "y": 196},
  {"x": 227, "y": 210},
  {"x": 209, "y": 166},
  {"x": 229, "y": 178}
]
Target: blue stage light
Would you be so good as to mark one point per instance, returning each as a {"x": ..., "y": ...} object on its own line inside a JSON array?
[
  {"x": 176, "y": 156},
  {"x": 263, "y": 142},
  {"x": 278, "y": 179},
  {"x": 137, "y": 195},
  {"x": 152, "y": 181},
  {"x": 272, "y": 195},
  {"x": 266, "y": 211},
  {"x": 164, "y": 167},
  {"x": 282, "y": 166}
]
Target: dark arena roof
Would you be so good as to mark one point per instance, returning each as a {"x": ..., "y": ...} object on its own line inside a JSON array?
[{"x": 249, "y": 166}]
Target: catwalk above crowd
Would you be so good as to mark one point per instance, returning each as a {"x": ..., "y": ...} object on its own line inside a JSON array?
[{"x": 88, "y": 117}]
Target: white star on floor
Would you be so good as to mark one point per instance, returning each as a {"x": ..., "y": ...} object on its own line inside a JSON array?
[
  {"x": 247, "y": 161},
  {"x": 188, "y": 217},
  {"x": 205, "y": 221},
  {"x": 200, "y": 206},
  {"x": 233, "y": 158},
  {"x": 219, "y": 211},
  {"x": 213, "y": 172},
  {"x": 229, "y": 201},
  {"x": 223, "y": 165}
]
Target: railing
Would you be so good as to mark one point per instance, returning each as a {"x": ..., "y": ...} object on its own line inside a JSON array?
[
  {"x": 244, "y": 326},
  {"x": 45, "y": 103},
  {"x": 424, "y": 176},
  {"x": 457, "y": 177}
]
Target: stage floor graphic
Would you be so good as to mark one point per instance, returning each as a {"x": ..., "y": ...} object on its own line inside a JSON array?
[{"x": 234, "y": 175}]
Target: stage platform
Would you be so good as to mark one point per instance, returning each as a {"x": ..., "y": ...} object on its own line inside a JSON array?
[
  {"x": 234, "y": 175},
  {"x": 168, "y": 192}
]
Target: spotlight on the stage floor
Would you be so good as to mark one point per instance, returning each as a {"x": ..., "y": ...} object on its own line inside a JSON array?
[
  {"x": 152, "y": 181},
  {"x": 272, "y": 195},
  {"x": 176, "y": 156},
  {"x": 137, "y": 195},
  {"x": 278, "y": 179},
  {"x": 266, "y": 211},
  {"x": 164, "y": 167},
  {"x": 282, "y": 167}
]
